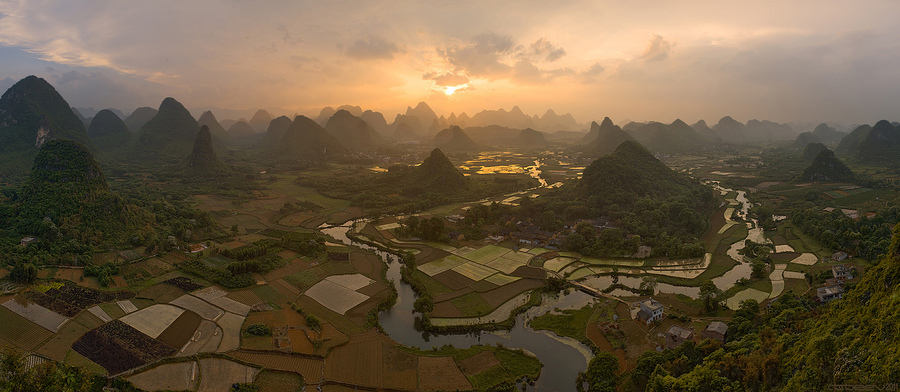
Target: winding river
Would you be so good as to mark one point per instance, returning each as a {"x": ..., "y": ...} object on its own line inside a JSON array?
[{"x": 562, "y": 357}]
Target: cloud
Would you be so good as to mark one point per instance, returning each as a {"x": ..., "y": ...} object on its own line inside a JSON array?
[
  {"x": 373, "y": 48},
  {"x": 447, "y": 79},
  {"x": 658, "y": 49},
  {"x": 592, "y": 73},
  {"x": 481, "y": 57},
  {"x": 544, "y": 50}
]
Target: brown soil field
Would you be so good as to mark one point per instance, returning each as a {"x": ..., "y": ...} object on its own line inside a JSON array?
[
  {"x": 161, "y": 292},
  {"x": 310, "y": 368},
  {"x": 331, "y": 337},
  {"x": 324, "y": 314},
  {"x": 452, "y": 279},
  {"x": 70, "y": 274},
  {"x": 17, "y": 330},
  {"x": 173, "y": 376},
  {"x": 231, "y": 331},
  {"x": 284, "y": 288},
  {"x": 446, "y": 309},
  {"x": 300, "y": 342},
  {"x": 275, "y": 381},
  {"x": 372, "y": 289},
  {"x": 369, "y": 360},
  {"x": 245, "y": 297},
  {"x": 498, "y": 296},
  {"x": 181, "y": 330},
  {"x": 530, "y": 272},
  {"x": 358, "y": 313},
  {"x": 479, "y": 363},
  {"x": 441, "y": 374},
  {"x": 428, "y": 254},
  {"x": 453, "y": 294},
  {"x": 483, "y": 285},
  {"x": 217, "y": 375},
  {"x": 119, "y": 282},
  {"x": 367, "y": 264}
]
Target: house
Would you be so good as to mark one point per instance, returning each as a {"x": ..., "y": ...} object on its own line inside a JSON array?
[
  {"x": 839, "y": 256},
  {"x": 830, "y": 293},
  {"x": 841, "y": 272},
  {"x": 651, "y": 311},
  {"x": 26, "y": 240},
  {"x": 676, "y": 335},
  {"x": 194, "y": 248},
  {"x": 715, "y": 330}
]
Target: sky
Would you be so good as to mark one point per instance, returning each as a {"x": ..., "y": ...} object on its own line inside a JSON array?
[{"x": 799, "y": 60}]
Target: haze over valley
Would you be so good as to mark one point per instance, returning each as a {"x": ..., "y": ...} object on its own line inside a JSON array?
[{"x": 414, "y": 196}]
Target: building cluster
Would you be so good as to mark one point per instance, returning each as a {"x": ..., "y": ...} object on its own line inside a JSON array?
[{"x": 834, "y": 287}]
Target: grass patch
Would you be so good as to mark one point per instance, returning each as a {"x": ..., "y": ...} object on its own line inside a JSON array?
[
  {"x": 113, "y": 310},
  {"x": 266, "y": 293},
  {"x": 571, "y": 323},
  {"x": 433, "y": 286},
  {"x": 514, "y": 364},
  {"x": 337, "y": 268},
  {"x": 75, "y": 359},
  {"x": 472, "y": 305},
  {"x": 305, "y": 279},
  {"x": 274, "y": 381}
]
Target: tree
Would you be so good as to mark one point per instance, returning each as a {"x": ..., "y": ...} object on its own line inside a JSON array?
[
  {"x": 600, "y": 374},
  {"x": 24, "y": 273},
  {"x": 709, "y": 294}
]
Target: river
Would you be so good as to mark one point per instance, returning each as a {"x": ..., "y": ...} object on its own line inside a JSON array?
[{"x": 563, "y": 358}]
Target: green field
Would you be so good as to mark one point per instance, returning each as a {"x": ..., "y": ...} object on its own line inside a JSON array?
[
  {"x": 486, "y": 254},
  {"x": 472, "y": 305}
]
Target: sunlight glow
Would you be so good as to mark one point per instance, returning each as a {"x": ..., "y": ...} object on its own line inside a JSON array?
[{"x": 449, "y": 90}]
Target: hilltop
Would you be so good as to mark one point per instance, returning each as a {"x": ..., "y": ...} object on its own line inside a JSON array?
[
  {"x": 209, "y": 120},
  {"x": 275, "y": 132},
  {"x": 108, "y": 132},
  {"x": 604, "y": 138},
  {"x": 826, "y": 167},
  {"x": 530, "y": 138},
  {"x": 203, "y": 157},
  {"x": 880, "y": 146},
  {"x": 307, "y": 140},
  {"x": 31, "y": 113},
  {"x": 168, "y": 136},
  {"x": 453, "y": 138},
  {"x": 139, "y": 117},
  {"x": 352, "y": 131},
  {"x": 260, "y": 121},
  {"x": 812, "y": 150},
  {"x": 437, "y": 172}
]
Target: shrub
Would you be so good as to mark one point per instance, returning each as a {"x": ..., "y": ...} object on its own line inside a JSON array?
[{"x": 259, "y": 329}]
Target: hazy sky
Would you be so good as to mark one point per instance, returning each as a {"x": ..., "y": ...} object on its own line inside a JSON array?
[{"x": 813, "y": 60}]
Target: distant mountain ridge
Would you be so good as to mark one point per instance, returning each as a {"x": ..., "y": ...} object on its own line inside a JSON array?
[{"x": 108, "y": 132}]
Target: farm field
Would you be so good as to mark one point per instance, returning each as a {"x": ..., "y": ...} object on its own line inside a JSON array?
[{"x": 173, "y": 376}]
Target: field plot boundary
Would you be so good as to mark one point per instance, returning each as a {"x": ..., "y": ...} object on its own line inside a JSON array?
[
  {"x": 231, "y": 305},
  {"x": 199, "y": 306},
  {"x": 501, "y": 279},
  {"x": 335, "y": 297},
  {"x": 127, "y": 306},
  {"x": 443, "y": 264},
  {"x": 310, "y": 368},
  {"x": 487, "y": 253},
  {"x": 351, "y": 281},
  {"x": 230, "y": 324},
  {"x": 474, "y": 271},
  {"x": 37, "y": 314},
  {"x": 96, "y": 310},
  {"x": 153, "y": 320}
]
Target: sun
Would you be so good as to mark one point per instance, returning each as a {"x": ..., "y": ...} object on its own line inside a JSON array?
[{"x": 449, "y": 90}]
